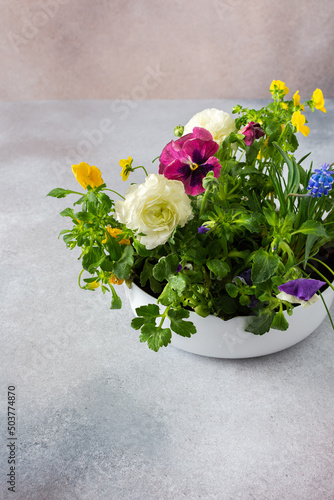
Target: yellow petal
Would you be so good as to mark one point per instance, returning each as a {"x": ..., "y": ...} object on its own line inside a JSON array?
[
  {"x": 87, "y": 175},
  {"x": 318, "y": 100}
]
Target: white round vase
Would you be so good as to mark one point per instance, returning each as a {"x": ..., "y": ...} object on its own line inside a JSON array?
[{"x": 227, "y": 339}]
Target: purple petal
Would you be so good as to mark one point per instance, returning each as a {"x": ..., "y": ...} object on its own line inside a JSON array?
[
  {"x": 203, "y": 230},
  {"x": 302, "y": 288}
]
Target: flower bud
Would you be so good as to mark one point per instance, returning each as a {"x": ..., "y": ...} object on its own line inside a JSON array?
[{"x": 178, "y": 131}]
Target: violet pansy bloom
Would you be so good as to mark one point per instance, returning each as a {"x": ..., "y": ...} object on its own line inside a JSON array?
[
  {"x": 246, "y": 279},
  {"x": 300, "y": 291},
  {"x": 189, "y": 159},
  {"x": 203, "y": 230},
  {"x": 251, "y": 132}
]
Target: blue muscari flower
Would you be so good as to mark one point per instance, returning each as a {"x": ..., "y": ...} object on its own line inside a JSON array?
[{"x": 321, "y": 181}]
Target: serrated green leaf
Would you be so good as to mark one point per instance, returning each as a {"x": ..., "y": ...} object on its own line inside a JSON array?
[
  {"x": 148, "y": 311},
  {"x": 137, "y": 323},
  {"x": 155, "y": 337},
  {"x": 312, "y": 227},
  {"x": 218, "y": 267},
  {"x": 177, "y": 323},
  {"x": 167, "y": 296},
  {"x": 264, "y": 266},
  {"x": 179, "y": 283},
  {"x": 68, "y": 212},
  {"x": 122, "y": 267},
  {"x": 232, "y": 290},
  {"x": 165, "y": 267},
  {"x": 116, "y": 302},
  {"x": 280, "y": 322},
  {"x": 261, "y": 324},
  {"x": 92, "y": 258}
]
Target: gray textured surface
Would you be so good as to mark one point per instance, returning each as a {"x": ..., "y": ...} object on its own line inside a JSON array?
[{"x": 99, "y": 415}]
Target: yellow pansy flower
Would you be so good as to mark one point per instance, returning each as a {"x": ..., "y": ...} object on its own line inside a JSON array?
[
  {"x": 296, "y": 100},
  {"x": 284, "y": 105},
  {"x": 126, "y": 167},
  {"x": 93, "y": 284},
  {"x": 278, "y": 85},
  {"x": 87, "y": 175},
  {"x": 298, "y": 121},
  {"x": 115, "y": 281},
  {"x": 114, "y": 232},
  {"x": 318, "y": 100}
]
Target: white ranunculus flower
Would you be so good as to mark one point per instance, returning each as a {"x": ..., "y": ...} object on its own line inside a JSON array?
[
  {"x": 154, "y": 208},
  {"x": 218, "y": 123}
]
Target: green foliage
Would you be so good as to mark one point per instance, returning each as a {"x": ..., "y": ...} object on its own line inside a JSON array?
[{"x": 263, "y": 230}]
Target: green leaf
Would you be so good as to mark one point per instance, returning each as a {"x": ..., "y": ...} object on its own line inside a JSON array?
[
  {"x": 92, "y": 259},
  {"x": 148, "y": 311},
  {"x": 116, "y": 302},
  {"x": 68, "y": 212},
  {"x": 218, "y": 268},
  {"x": 146, "y": 274},
  {"x": 155, "y": 337},
  {"x": 249, "y": 221},
  {"x": 261, "y": 324},
  {"x": 312, "y": 227},
  {"x": 177, "y": 323},
  {"x": 137, "y": 323},
  {"x": 252, "y": 152},
  {"x": 264, "y": 266},
  {"x": 60, "y": 193},
  {"x": 179, "y": 283},
  {"x": 271, "y": 216},
  {"x": 122, "y": 267},
  {"x": 165, "y": 267},
  {"x": 232, "y": 290},
  {"x": 280, "y": 322},
  {"x": 168, "y": 295}
]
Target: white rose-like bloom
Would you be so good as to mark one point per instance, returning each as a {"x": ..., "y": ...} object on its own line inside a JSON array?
[
  {"x": 218, "y": 123},
  {"x": 154, "y": 208}
]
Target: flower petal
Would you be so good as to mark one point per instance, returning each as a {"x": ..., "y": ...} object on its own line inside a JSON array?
[{"x": 302, "y": 288}]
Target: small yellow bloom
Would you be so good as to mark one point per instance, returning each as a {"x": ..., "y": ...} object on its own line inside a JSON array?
[
  {"x": 93, "y": 285},
  {"x": 284, "y": 105},
  {"x": 278, "y": 85},
  {"x": 114, "y": 232},
  {"x": 87, "y": 175},
  {"x": 126, "y": 168},
  {"x": 318, "y": 100},
  {"x": 115, "y": 281},
  {"x": 296, "y": 100},
  {"x": 298, "y": 121}
]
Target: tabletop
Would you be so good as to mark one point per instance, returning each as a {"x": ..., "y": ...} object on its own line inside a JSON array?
[{"x": 97, "y": 414}]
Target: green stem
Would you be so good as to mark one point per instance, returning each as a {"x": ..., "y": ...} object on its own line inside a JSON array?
[
  {"x": 107, "y": 189},
  {"x": 328, "y": 313},
  {"x": 327, "y": 267},
  {"x": 79, "y": 279},
  {"x": 321, "y": 275},
  {"x": 141, "y": 166}
]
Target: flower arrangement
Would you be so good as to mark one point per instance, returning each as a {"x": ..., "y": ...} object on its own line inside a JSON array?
[{"x": 232, "y": 224}]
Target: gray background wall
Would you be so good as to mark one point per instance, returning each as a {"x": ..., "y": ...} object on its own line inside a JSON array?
[{"x": 175, "y": 49}]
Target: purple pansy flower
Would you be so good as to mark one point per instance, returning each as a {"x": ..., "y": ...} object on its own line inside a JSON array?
[
  {"x": 302, "y": 288},
  {"x": 246, "y": 279},
  {"x": 203, "y": 229},
  {"x": 189, "y": 159},
  {"x": 321, "y": 181},
  {"x": 251, "y": 132}
]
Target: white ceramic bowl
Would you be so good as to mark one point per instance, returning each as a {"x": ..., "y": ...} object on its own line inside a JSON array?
[{"x": 228, "y": 339}]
